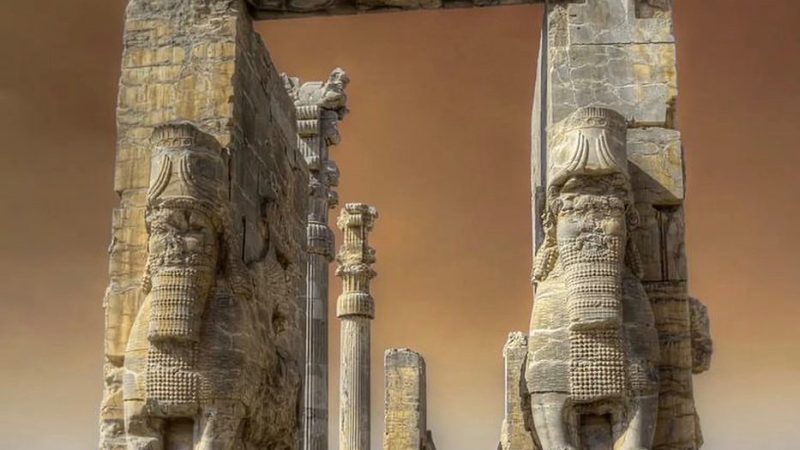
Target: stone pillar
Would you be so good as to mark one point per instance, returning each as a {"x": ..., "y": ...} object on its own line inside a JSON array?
[
  {"x": 356, "y": 309},
  {"x": 204, "y": 308},
  {"x": 320, "y": 106},
  {"x": 516, "y": 431},
  {"x": 406, "y": 424},
  {"x": 620, "y": 55}
]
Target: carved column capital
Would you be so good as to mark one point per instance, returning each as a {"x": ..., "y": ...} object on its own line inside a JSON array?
[{"x": 355, "y": 260}]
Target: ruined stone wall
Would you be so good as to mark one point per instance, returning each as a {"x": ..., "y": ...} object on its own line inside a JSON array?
[{"x": 199, "y": 61}]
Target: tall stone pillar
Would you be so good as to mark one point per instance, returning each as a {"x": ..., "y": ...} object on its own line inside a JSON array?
[
  {"x": 406, "y": 422},
  {"x": 608, "y": 68},
  {"x": 356, "y": 309},
  {"x": 320, "y": 106},
  {"x": 516, "y": 431}
]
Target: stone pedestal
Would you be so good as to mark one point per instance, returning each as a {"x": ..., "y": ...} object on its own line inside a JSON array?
[{"x": 356, "y": 309}]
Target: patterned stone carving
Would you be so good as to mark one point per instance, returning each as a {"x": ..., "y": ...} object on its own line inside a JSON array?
[
  {"x": 204, "y": 308},
  {"x": 615, "y": 55},
  {"x": 593, "y": 350},
  {"x": 168, "y": 374},
  {"x": 406, "y": 423},
  {"x": 356, "y": 309},
  {"x": 320, "y": 106}
]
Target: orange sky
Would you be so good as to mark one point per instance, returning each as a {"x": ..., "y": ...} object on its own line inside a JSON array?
[{"x": 438, "y": 140}]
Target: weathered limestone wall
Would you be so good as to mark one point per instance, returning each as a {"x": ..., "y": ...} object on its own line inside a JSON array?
[
  {"x": 406, "y": 422},
  {"x": 516, "y": 430},
  {"x": 620, "y": 55},
  {"x": 199, "y": 61}
]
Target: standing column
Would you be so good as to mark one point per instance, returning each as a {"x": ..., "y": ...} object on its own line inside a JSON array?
[
  {"x": 356, "y": 309},
  {"x": 320, "y": 106}
]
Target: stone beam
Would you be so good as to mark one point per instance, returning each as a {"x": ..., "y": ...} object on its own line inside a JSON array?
[{"x": 282, "y": 9}]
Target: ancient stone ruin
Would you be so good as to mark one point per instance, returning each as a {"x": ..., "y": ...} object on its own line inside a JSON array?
[
  {"x": 406, "y": 407},
  {"x": 216, "y": 309}
]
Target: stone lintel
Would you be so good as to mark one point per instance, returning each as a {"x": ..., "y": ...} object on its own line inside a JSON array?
[{"x": 285, "y": 9}]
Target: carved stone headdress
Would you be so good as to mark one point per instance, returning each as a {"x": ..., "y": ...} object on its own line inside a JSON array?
[
  {"x": 186, "y": 169},
  {"x": 590, "y": 141}
]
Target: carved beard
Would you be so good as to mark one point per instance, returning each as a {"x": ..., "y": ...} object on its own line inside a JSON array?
[
  {"x": 593, "y": 266},
  {"x": 178, "y": 297}
]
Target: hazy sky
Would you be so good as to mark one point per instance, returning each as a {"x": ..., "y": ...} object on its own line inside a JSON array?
[{"x": 438, "y": 140}]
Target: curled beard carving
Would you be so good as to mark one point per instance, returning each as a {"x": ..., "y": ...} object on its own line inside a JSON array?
[{"x": 178, "y": 298}]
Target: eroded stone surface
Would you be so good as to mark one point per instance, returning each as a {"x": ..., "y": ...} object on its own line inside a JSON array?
[
  {"x": 320, "y": 106},
  {"x": 356, "y": 309},
  {"x": 405, "y": 391},
  {"x": 593, "y": 350},
  {"x": 516, "y": 432},
  {"x": 614, "y": 55},
  {"x": 204, "y": 311}
]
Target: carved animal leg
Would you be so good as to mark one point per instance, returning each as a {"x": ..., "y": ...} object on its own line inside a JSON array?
[
  {"x": 144, "y": 432},
  {"x": 642, "y": 425},
  {"x": 549, "y": 417},
  {"x": 220, "y": 424}
]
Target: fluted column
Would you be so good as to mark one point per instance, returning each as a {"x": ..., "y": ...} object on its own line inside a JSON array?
[
  {"x": 319, "y": 107},
  {"x": 356, "y": 309}
]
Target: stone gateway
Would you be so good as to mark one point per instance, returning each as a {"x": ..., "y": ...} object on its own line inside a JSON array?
[{"x": 216, "y": 310}]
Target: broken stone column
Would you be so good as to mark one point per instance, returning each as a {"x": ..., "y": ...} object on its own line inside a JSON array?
[
  {"x": 204, "y": 309},
  {"x": 320, "y": 106},
  {"x": 608, "y": 68},
  {"x": 406, "y": 423},
  {"x": 356, "y": 309},
  {"x": 516, "y": 431}
]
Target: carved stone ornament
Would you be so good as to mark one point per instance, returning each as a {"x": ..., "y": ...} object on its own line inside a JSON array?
[
  {"x": 593, "y": 349},
  {"x": 178, "y": 374}
]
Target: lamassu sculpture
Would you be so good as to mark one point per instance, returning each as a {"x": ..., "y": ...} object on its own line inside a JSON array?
[
  {"x": 196, "y": 366},
  {"x": 592, "y": 368}
]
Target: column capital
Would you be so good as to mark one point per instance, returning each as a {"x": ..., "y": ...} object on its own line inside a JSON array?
[{"x": 355, "y": 260}]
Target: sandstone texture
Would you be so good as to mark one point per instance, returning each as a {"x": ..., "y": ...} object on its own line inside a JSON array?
[{"x": 204, "y": 310}]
